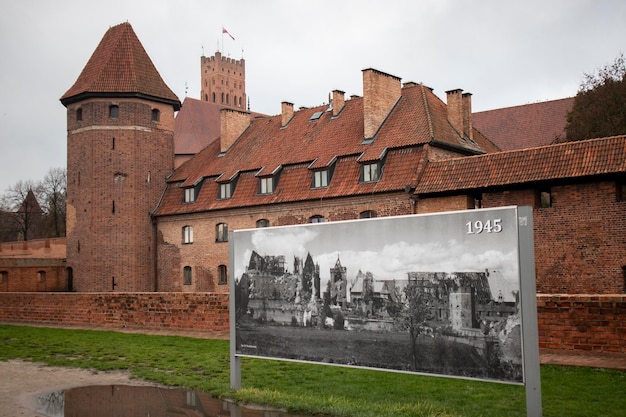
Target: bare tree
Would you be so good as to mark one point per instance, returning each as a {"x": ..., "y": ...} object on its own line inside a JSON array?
[
  {"x": 410, "y": 314},
  {"x": 53, "y": 193},
  {"x": 24, "y": 212}
]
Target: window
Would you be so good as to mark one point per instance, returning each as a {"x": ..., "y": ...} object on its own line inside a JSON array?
[
  {"x": 4, "y": 277},
  {"x": 478, "y": 201},
  {"x": 191, "y": 193},
  {"x": 544, "y": 198},
  {"x": 621, "y": 191},
  {"x": 188, "y": 234},
  {"x": 223, "y": 275},
  {"x": 187, "y": 275},
  {"x": 114, "y": 111},
  {"x": 79, "y": 114},
  {"x": 41, "y": 276},
  {"x": 371, "y": 172},
  {"x": 262, "y": 223},
  {"x": 316, "y": 219},
  {"x": 320, "y": 179},
  {"x": 221, "y": 232},
  {"x": 316, "y": 115},
  {"x": 267, "y": 185},
  {"x": 156, "y": 115},
  {"x": 367, "y": 214},
  {"x": 225, "y": 191}
]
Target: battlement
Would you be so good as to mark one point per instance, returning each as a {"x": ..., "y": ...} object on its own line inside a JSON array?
[{"x": 219, "y": 59}]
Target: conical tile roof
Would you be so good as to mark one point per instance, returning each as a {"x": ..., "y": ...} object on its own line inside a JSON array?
[{"x": 120, "y": 67}]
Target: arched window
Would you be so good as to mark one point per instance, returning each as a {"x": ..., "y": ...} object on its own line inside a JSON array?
[
  {"x": 187, "y": 234},
  {"x": 156, "y": 115},
  {"x": 367, "y": 214},
  {"x": 213, "y": 94},
  {"x": 4, "y": 277},
  {"x": 316, "y": 219},
  {"x": 114, "y": 111},
  {"x": 79, "y": 114},
  {"x": 223, "y": 275},
  {"x": 187, "y": 275},
  {"x": 262, "y": 223},
  {"x": 41, "y": 276},
  {"x": 221, "y": 232}
]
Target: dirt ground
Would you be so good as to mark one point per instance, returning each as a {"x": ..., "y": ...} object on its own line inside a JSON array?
[{"x": 21, "y": 383}]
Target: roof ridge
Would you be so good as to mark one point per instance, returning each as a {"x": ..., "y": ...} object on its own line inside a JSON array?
[
  {"x": 526, "y": 150},
  {"x": 431, "y": 130},
  {"x": 523, "y": 105}
]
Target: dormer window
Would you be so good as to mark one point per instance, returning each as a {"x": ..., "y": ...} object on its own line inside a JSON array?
[
  {"x": 191, "y": 193},
  {"x": 370, "y": 172},
  {"x": 266, "y": 185},
  {"x": 225, "y": 191},
  {"x": 320, "y": 179}
]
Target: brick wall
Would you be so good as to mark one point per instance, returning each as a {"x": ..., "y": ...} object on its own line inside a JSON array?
[
  {"x": 582, "y": 323},
  {"x": 116, "y": 170},
  {"x": 574, "y": 323},
  {"x": 580, "y": 243},
  {"x": 33, "y": 265},
  {"x": 182, "y": 311},
  {"x": 205, "y": 255}
]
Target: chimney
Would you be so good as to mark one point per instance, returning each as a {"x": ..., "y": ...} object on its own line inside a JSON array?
[
  {"x": 467, "y": 115},
  {"x": 338, "y": 101},
  {"x": 380, "y": 93},
  {"x": 287, "y": 113},
  {"x": 460, "y": 111},
  {"x": 232, "y": 124}
]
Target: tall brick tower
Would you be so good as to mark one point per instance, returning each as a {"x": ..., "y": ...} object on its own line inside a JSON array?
[
  {"x": 223, "y": 81},
  {"x": 120, "y": 149}
]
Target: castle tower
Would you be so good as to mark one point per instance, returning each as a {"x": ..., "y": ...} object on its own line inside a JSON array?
[
  {"x": 223, "y": 81},
  {"x": 120, "y": 149}
]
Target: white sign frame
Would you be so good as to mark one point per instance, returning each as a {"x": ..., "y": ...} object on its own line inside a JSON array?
[{"x": 510, "y": 228}]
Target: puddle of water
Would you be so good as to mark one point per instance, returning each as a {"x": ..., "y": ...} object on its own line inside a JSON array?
[{"x": 136, "y": 401}]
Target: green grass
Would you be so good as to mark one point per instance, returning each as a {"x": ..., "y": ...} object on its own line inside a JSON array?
[{"x": 203, "y": 364}]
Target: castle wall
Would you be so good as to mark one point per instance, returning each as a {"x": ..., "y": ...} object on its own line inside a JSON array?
[
  {"x": 177, "y": 311},
  {"x": 575, "y": 323},
  {"x": 33, "y": 265},
  {"x": 580, "y": 244}
]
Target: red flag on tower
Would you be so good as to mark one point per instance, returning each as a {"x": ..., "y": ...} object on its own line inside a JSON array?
[{"x": 228, "y": 33}]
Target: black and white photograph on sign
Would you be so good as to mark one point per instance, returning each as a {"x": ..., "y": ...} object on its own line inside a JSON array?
[{"x": 435, "y": 294}]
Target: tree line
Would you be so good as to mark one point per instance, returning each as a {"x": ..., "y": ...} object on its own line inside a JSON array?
[{"x": 34, "y": 209}]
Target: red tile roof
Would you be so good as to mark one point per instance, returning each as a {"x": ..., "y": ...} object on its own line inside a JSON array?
[
  {"x": 118, "y": 67},
  {"x": 419, "y": 118},
  {"x": 568, "y": 160},
  {"x": 526, "y": 126},
  {"x": 294, "y": 184},
  {"x": 197, "y": 124}
]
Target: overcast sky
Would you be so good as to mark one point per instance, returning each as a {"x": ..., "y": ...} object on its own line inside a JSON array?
[{"x": 505, "y": 53}]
